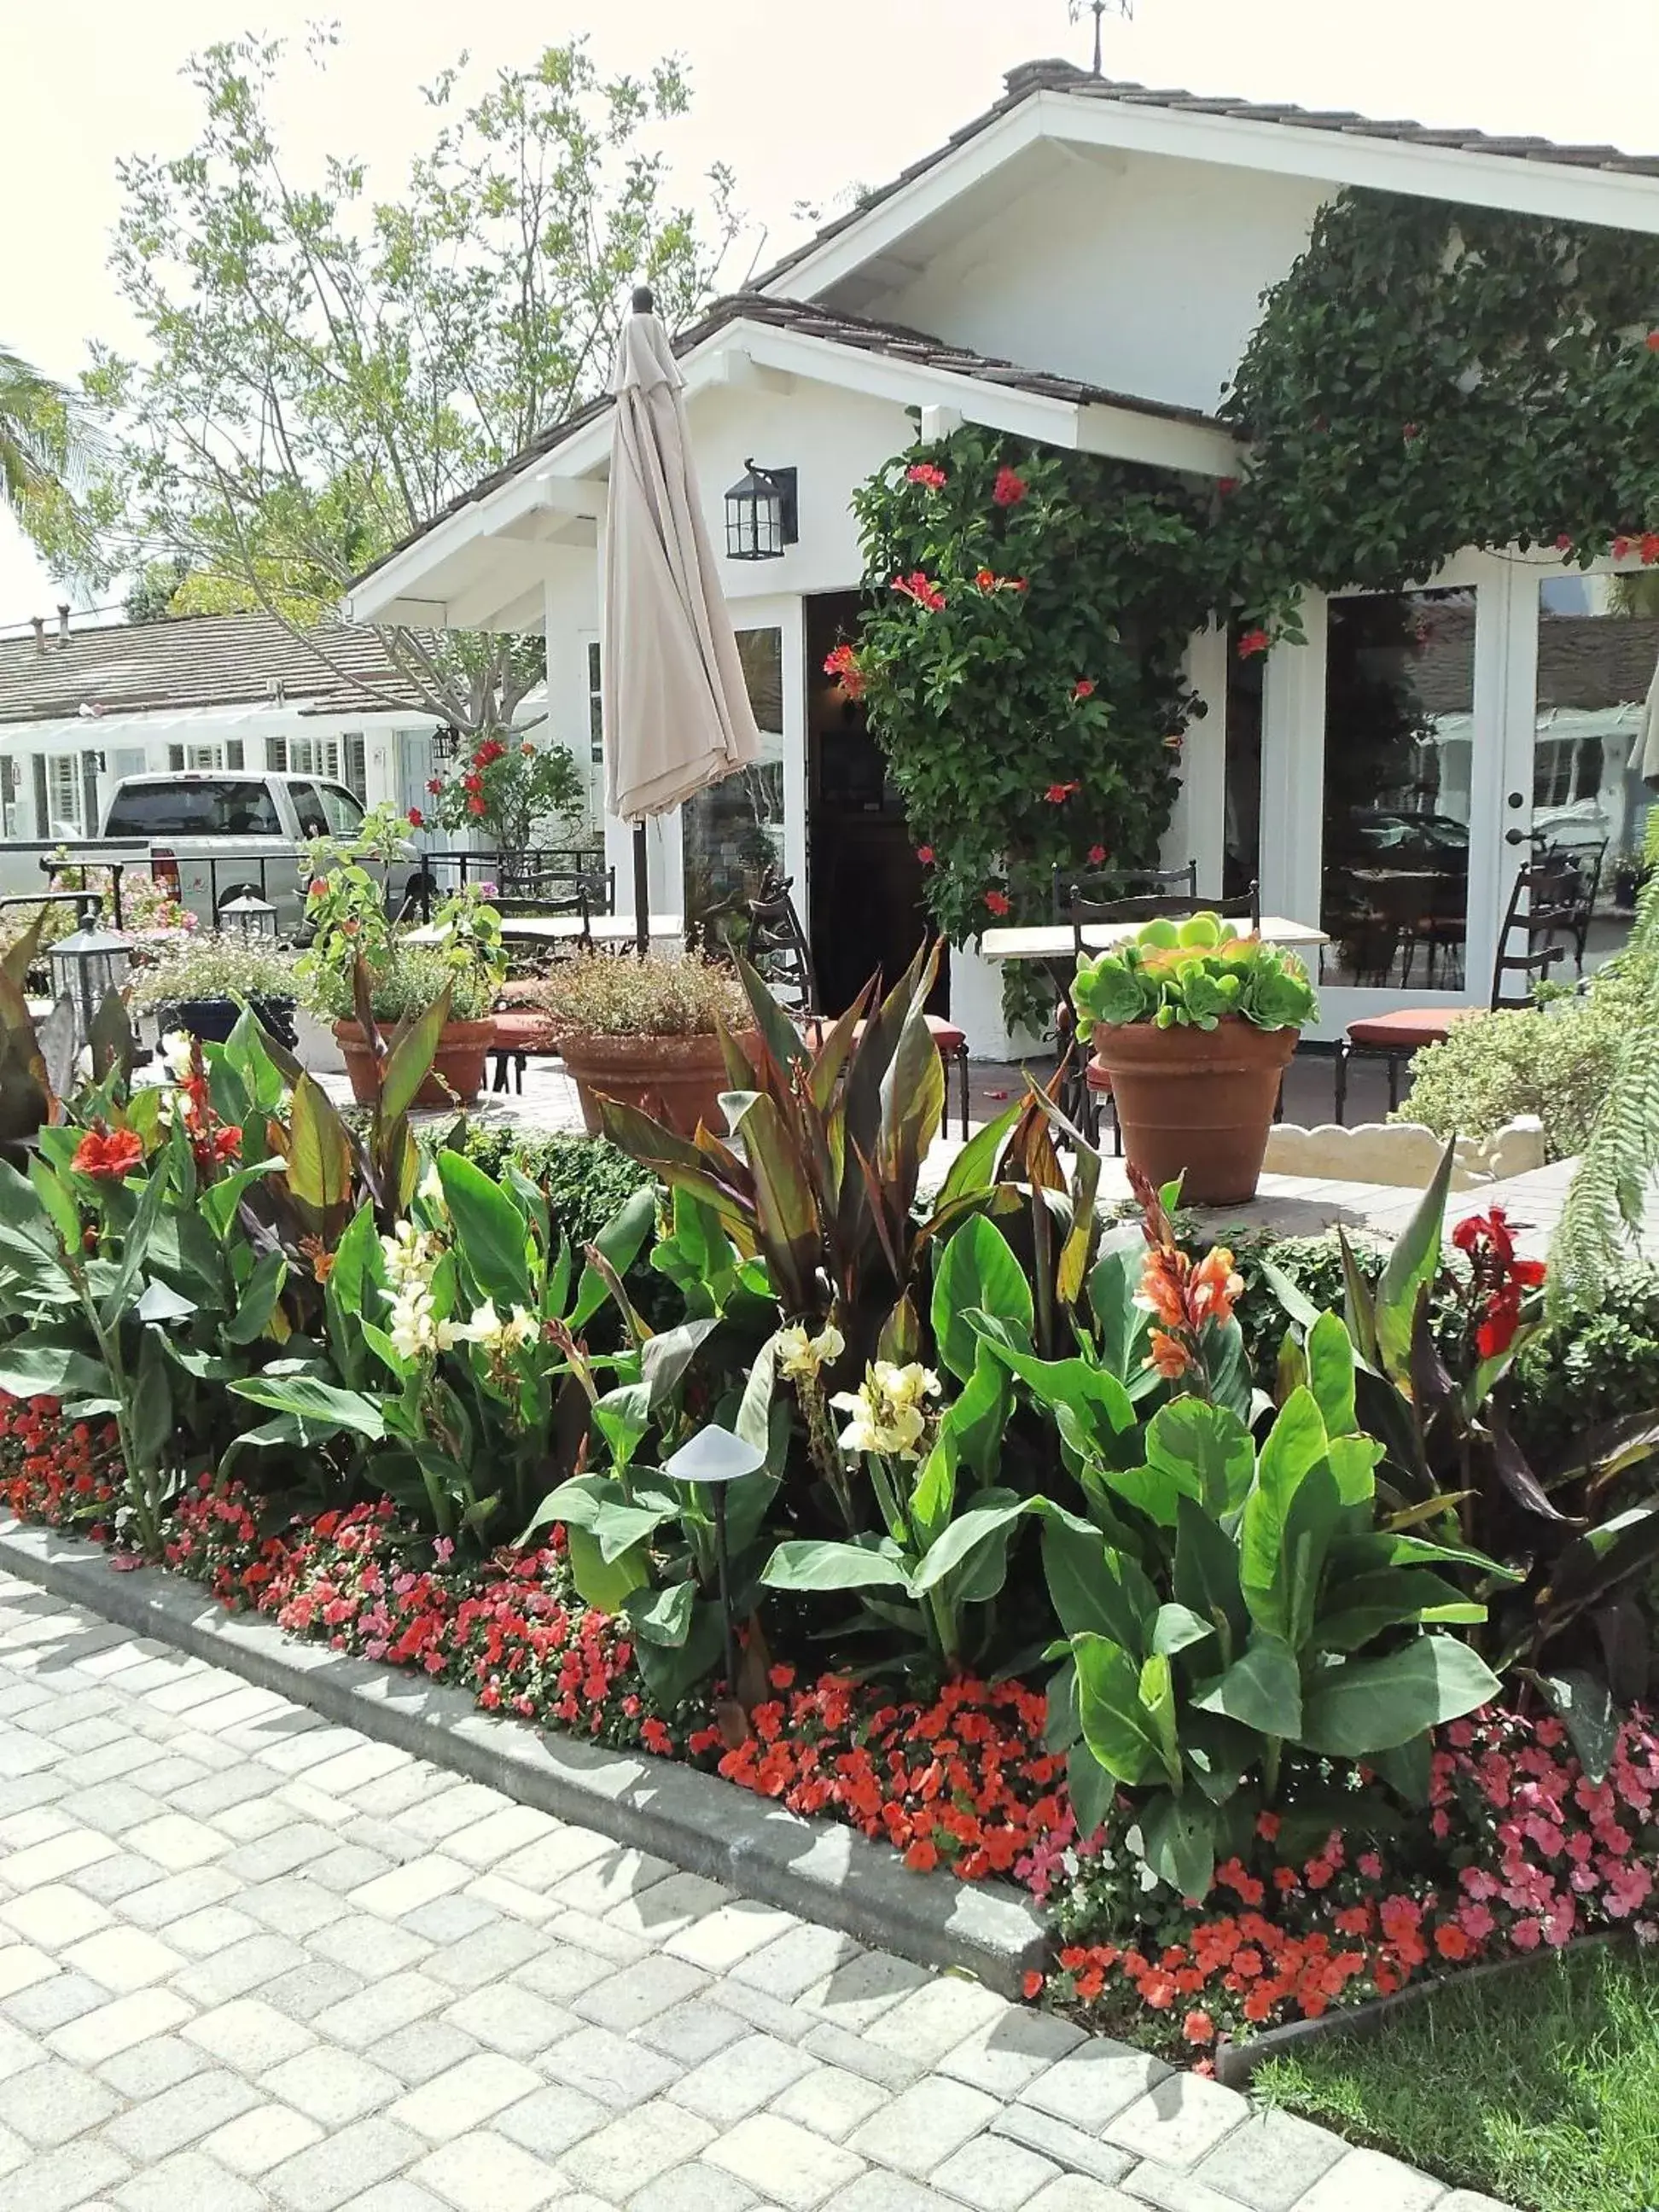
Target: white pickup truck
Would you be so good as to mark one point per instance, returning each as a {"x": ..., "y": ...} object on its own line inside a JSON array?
[{"x": 213, "y": 835}]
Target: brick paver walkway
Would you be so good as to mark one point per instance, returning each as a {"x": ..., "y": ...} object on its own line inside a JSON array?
[{"x": 249, "y": 1959}]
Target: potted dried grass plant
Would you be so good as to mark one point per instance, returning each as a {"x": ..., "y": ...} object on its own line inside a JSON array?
[{"x": 648, "y": 1032}]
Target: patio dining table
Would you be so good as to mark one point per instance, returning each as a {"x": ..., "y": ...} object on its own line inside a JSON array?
[{"x": 1052, "y": 941}]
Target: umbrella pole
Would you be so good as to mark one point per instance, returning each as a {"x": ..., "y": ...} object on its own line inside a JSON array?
[{"x": 641, "y": 893}]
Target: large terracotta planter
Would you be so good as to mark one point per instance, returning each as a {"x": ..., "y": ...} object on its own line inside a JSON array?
[
  {"x": 678, "y": 1079},
  {"x": 455, "y": 1077},
  {"x": 1194, "y": 1103}
]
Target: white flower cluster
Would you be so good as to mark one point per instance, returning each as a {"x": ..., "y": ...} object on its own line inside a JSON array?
[
  {"x": 889, "y": 1414},
  {"x": 411, "y": 1257},
  {"x": 801, "y": 1356}
]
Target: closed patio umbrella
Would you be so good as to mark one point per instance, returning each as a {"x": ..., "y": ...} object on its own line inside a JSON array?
[{"x": 676, "y": 716}]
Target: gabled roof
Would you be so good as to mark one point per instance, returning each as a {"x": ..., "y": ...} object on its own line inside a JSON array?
[
  {"x": 929, "y": 369},
  {"x": 1032, "y": 79},
  {"x": 196, "y": 661}
]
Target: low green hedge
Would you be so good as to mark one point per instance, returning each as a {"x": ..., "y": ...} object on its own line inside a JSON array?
[{"x": 586, "y": 1179}]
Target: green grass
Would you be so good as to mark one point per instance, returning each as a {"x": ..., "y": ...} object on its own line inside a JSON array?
[{"x": 1541, "y": 2089}]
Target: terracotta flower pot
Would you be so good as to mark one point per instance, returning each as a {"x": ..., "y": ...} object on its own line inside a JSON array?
[
  {"x": 1194, "y": 1103},
  {"x": 678, "y": 1079},
  {"x": 455, "y": 1077}
]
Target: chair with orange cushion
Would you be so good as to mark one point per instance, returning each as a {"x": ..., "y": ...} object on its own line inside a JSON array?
[
  {"x": 779, "y": 950},
  {"x": 1549, "y": 900}
]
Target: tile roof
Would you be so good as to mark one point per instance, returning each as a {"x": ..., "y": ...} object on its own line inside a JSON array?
[
  {"x": 1033, "y": 77},
  {"x": 199, "y": 661},
  {"x": 811, "y": 318}
]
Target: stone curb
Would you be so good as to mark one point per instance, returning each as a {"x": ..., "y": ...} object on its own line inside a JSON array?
[{"x": 820, "y": 1870}]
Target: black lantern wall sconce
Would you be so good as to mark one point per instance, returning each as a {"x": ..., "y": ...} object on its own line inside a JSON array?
[{"x": 761, "y": 515}]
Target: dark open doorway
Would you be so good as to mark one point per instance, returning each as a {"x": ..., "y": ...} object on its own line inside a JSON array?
[{"x": 867, "y": 911}]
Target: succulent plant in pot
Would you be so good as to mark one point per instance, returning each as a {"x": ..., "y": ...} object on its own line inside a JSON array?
[
  {"x": 1192, "y": 1023},
  {"x": 404, "y": 973},
  {"x": 201, "y": 985},
  {"x": 648, "y": 1032}
]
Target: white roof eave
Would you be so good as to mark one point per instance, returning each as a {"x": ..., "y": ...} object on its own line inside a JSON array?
[{"x": 485, "y": 547}]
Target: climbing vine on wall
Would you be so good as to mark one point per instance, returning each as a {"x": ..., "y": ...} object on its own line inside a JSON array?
[
  {"x": 1426, "y": 377},
  {"x": 1022, "y": 661}
]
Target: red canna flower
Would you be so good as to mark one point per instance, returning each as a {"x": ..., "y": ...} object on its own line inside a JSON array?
[
  {"x": 1010, "y": 488},
  {"x": 1252, "y": 642},
  {"x": 997, "y": 902},
  {"x": 108, "y": 1155},
  {"x": 1084, "y": 688},
  {"x": 925, "y": 472}
]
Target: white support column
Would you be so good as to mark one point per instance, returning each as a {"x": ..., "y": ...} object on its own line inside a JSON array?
[
  {"x": 1198, "y": 826},
  {"x": 1293, "y": 771}
]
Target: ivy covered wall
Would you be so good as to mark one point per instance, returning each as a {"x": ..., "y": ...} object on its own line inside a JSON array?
[{"x": 1426, "y": 377}]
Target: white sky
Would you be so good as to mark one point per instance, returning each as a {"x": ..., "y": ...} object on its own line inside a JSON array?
[{"x": 801, "y": 100}]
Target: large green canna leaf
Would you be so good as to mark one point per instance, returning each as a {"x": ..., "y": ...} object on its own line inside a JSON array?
[
  {"x": 1094, "y": 1589},
  {"x": 977, "y": 1271},
  {"x": 490, "y": 1229},
  {"x": 1262, "y": 1690},
  {"x": 1206, "y": 1574},
  {"x": 1412, "y": 1264},
  {"x": 1366, "y": 1706},
  {"x": 1091, "y": 1406},
  {"x": 1392, "y": 1597},
  {"x": 319, "y": 1404},
  {"x": 980, "y": 1524},
  {"x": 804, "y": 1565},
  {"x": 1205, "y": 1449},
  {"x": 1120, "y": 1731},
  {"x": 1275, "y": 1583},
  {"x": 31, "y": 1369},
  {"x": 1330, "y": 1374},
  {"x": 1124, "y": 1324},
  {"x": 1178, "y": 1838}
]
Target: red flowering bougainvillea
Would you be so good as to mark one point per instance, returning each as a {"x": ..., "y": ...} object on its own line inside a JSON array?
[{"x": 990, "y": 590}]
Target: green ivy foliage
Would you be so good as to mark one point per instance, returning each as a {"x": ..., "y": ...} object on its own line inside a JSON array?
[
  {"x": 1429, "y": 377},
  {"x": 1024, "y": 690}
]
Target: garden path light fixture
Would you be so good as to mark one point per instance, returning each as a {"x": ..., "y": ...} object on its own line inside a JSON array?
[
  {"x": 249, "y": 917},
  {"x": 86, "y": 967},
  {"x": 714, "y": 1457},
  {"x": 761, "y": 513}
]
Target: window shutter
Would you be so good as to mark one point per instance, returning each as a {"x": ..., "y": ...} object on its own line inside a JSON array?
[
  {"x": 89, "y": 793},
  {"x": 276, "y": 753},
  {"x": 356, "y": 766},
  {"x": 42, "y": 804},
  {"x": 233, "y": 752}
]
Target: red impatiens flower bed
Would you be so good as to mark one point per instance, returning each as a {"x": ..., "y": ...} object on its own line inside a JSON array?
[{"x": 1518, "y": 1849}]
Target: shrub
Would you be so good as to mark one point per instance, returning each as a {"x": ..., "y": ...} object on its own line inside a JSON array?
[
  {"x": 1557, "y": 1060},
  {"x": 587, "y": 1180},
  {"x": 216, "y": 967},
  {"x": 1589, "y": 1363},
  {"x": 412, "y": 982},
  {"x": 667, "y": 995}
]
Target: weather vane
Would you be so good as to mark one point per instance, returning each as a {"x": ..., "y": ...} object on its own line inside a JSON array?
[{"x": 1125, "y": 8}]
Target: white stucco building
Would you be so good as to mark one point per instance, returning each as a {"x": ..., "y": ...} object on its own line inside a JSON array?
[{"x": 1082, "y": 265}]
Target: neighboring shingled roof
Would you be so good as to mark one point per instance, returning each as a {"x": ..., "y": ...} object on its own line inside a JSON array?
[
  {"x": 1032, "y": 78},
  {"x": 199, "y": 661},
  {"x": 893, "y": 341}
]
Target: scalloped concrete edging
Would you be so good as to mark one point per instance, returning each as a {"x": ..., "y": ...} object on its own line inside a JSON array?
[
  {"x": 1234, "y": 2063},
  {"x": 820, "y": 1870}
]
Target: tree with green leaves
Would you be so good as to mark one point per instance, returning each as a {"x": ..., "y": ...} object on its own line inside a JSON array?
[
  {"x": 42, "y": 446},
  {"x": 325, "y": 370}
]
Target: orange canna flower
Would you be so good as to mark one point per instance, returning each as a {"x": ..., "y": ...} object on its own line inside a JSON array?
[
  {"x": 1163, "y": 1285},
  {"x": 1169, "y": 1355},
  {"x": 1215, "y": 1284}
]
